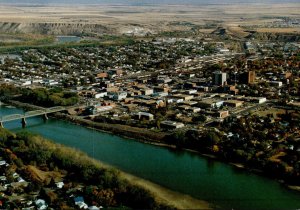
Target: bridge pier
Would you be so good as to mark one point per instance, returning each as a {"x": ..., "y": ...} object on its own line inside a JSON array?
[
  {"x": 23, "y": 122},
  {"x": 45, "y": 117}
]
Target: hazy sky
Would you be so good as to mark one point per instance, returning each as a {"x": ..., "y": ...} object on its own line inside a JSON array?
[{"x": 142, "y": 2}]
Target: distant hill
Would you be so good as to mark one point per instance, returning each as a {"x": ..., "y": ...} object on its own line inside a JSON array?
[{"x": 145, "y": 2}]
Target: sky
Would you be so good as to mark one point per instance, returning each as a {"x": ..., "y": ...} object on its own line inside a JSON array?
[{"x": 143, "y": 2}]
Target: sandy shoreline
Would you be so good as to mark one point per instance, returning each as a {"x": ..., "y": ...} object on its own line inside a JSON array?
[{"x": 164, "y": 195}]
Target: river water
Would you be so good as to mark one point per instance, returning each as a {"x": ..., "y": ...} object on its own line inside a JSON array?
[
  {"x": 220, "y": 184},
  {"x": 66, "y": 39}
]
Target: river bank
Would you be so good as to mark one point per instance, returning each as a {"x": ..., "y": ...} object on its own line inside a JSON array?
[
  {"x": 184, "y": 172},
  {"x": 144, "y": 136},
  {"x": 129, "y": 132},
  {"x": 161, "y": 194}
]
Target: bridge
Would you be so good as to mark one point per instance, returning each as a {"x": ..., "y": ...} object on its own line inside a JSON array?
[{"x": 40, "y": 112}]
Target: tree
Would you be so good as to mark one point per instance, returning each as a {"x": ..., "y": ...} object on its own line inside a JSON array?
[
  {"x": 213, "y": 138},
  {"x": 105, "y": 197},
  {"x": 19, "y": 162},
  {"x": 179, "y": 138},
  {"x": 199, "y": 118},
  {"x": 33, "y": 187}
]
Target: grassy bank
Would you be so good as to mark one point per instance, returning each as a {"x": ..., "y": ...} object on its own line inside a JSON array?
[
  {"x": 122, "y": 130},
  {"x": 28, "y": 151},
  {"x": 35, "y": 155},
  {"x": 164, "y": 140}
]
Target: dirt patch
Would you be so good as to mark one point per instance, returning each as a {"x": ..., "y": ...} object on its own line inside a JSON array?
[
  {"x": 42, "y": 176},
  {"x": 206, "y": 31},
  {"x": 236, "y": 30},
  {"x": 264, "y": 112},
  {"x": 279, "y": 30}
]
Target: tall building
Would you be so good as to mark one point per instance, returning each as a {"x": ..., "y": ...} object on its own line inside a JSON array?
[
  {"x": 219, "y": 78},
  {"x": 248, "y": 77}
]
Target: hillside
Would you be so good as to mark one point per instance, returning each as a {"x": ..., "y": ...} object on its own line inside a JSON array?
[{"x": 54, "y": 28}]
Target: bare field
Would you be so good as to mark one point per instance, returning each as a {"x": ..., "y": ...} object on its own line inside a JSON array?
[
  {"x": 122, "y": 19},
  {"x": 236, "y": 30},
  {"x": 278, "y": 30}
]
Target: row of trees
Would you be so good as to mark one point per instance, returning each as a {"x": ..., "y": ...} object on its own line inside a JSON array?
[
  {"x": 257, "y": 142},
  {"x": 48, "y": 98}
]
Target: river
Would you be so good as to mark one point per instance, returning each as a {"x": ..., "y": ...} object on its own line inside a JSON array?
[
  {"x": 66, "y": 39},
  {"x": 213, "y": 181}
]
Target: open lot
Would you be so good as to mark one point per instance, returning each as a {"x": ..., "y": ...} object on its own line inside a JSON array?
[{"x": 266, "y": 111}]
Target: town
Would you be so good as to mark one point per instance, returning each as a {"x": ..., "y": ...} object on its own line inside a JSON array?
[
  {"x": 199, "y": 82},
  {"x": 236, "y": 100}
]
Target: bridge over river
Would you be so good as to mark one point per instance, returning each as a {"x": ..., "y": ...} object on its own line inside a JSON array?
[{"x": 40, "y": 112}]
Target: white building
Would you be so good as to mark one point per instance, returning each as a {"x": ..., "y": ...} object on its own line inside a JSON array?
[
  {"x": 276, "y": 83},
  {"x": 219, "y": 78},
  {"x": 100, "y": 95},
  {"x": 117, "y": 95}
]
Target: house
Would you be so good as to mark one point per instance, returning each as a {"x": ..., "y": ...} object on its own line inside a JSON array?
[
  {"x": 16, "y": 175},
  {"x": 231, "y": 89},
  {"x": 118, "y": 96},
  {"x": 147, "y": 91},
  {"x": 144, "y": 116},
  {"x": 41, "y": 204},
  {"x": 190, "y": 103},
  {"x": 221, "y": 114},
  {"x": 258, "y": 100},
  {"x": 286, "y": 75},
  {"x": 102, "y": 75},
  {"x": 189, "y": 92},
  {"x": 94, "y": 207},
  {"x": 233, "y": 103},
  {"x": 97, "y": 109},
  {"x": 210, "y": 103},
  {"x": 3, "y": 178},
  {"x": 26, "y": 83},
  {"x": 167, "y": 124},
  {"x": 116, "y": 72},
  {"x": 161, "y": 89},
  {"x": 189, "y": 108},
  {"x": 79, "y": 201},
  {"x": 20, "y": 179},
  {"x": 276, "y": 83},
  {"x": 160, "y": 94},
  {"x": 183, "y": 97},
  {"x": 29, "y": 208},
  {"x": 202, "y": 88},
  {"x": 100, "y": 95},
  {"x": 107, "y": 84},
  {"x": 59, "y": 185},
  {"x": 163, "y": 79}
]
